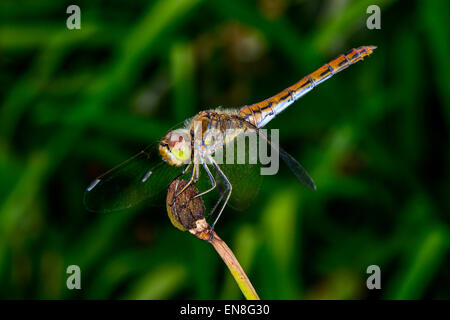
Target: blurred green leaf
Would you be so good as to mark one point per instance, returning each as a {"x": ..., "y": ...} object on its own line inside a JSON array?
[
  {"x": 421, "y": 264},
  {"x": 160, "y": 283},
  {"x": 182, "y": 63}
]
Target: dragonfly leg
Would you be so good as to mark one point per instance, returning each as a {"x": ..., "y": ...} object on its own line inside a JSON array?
[
  {"x": 185, "y": 169},
  {"x": 211, "y": 179},
  {"x": 229, "y": 188},
  {"x": 175, "y": 207},
  {"x": 222, "y": 194},
  {"x": 213, "y": 186},
  {"x": 191, "y": 179}
]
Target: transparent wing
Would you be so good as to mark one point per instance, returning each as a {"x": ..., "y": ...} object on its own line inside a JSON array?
[
  {"x": 140, "y": 178},
  {"x": 246, "y": 181},
  {"x": 298, "y": 170},
  {"x": 245, "y": 177}
]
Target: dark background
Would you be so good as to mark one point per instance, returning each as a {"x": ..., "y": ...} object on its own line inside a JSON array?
[{"x": 375, "y": 138}]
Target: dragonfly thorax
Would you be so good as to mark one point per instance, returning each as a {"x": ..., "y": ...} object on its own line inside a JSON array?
[{"x": 175, "y": 147}]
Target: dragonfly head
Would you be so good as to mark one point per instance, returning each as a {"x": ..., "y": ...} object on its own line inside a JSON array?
[{"x": 175, "y": 147}]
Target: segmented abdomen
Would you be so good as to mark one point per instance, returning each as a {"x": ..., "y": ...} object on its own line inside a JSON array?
[{"x": 259, "y": 114}]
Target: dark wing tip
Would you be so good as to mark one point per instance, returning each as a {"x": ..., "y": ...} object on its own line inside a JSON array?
[
  {"x": 92, "y": 185},
  {"x": 309, "y": 183}
]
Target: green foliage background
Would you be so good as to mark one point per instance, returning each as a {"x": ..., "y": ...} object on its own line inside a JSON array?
[{"x": 375, "y": 138}]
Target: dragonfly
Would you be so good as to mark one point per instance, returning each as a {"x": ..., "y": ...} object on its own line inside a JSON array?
[{"x": 180, "y": 153}]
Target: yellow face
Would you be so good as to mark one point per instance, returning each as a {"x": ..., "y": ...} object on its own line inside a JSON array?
[{"x": 175, "y": 147}]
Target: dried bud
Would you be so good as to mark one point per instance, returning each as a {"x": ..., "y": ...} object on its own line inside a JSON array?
[{"x": 185, "y": 211}]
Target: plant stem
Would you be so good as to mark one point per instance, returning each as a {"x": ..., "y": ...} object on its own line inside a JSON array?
[
  {"x": 203, "y": 231},
  {"x": 235, "y": 268}
]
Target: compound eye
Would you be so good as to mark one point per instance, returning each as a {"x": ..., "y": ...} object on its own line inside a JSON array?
[
  {"x": 174, "y": 139},
  {"x": 179, "y": 145}
]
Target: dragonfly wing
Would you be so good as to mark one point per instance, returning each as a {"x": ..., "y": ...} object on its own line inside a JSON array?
[
  {"x": 139, "y": 178},
  {"x": 243, "y": 174},
  {"x": 245, "y": 180},
  {"x": 298, "y": 170}
]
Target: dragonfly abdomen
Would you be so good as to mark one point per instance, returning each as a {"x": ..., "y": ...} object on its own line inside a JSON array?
[{"x": 259, "y": 114}]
